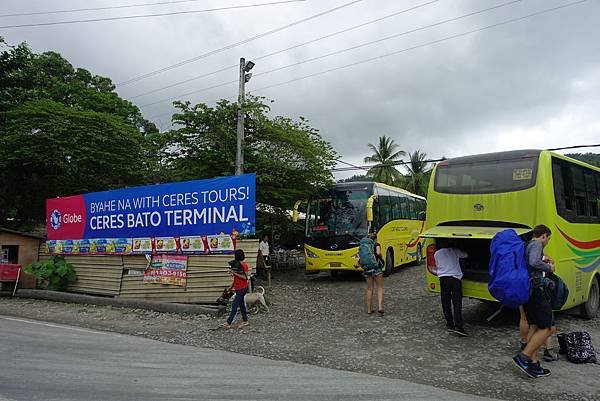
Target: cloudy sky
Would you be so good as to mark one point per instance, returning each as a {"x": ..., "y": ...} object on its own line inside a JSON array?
[{"x": 408, "y": 69}]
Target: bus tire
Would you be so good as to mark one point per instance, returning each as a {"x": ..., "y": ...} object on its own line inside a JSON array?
[
  {"x": 389, "y": 263},
  {"x": 589, "y": 310}
]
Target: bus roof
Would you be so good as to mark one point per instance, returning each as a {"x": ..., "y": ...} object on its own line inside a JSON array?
[
  {"x": 496, "y": 156},
  {"x": 370, "y": 185},
  {"x": 509, "y": 155}
]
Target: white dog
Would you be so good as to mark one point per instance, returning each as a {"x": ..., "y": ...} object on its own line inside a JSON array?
[{"x": 255, "y": 299}]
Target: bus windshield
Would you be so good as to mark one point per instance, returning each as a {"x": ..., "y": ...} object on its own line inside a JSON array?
[
  {"x": 342, "y": 213},
  {"x": 485, "y": 177}
]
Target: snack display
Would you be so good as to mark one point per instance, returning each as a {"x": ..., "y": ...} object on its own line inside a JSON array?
[
  {"x": 165, "y": 244},
  {"x": 142, "y": 245},
  {"x": 192, "y": 245},
  {"x": 221, "y": 243}
]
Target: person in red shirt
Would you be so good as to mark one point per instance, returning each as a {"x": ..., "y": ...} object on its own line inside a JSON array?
[{"x": 239, "y": 270}]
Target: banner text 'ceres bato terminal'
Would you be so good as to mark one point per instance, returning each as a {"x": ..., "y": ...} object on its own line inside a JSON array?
[{"x": 203, "y": 207}]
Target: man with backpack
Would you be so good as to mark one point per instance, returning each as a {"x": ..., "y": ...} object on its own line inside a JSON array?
[{"x": 538, "y": 309}]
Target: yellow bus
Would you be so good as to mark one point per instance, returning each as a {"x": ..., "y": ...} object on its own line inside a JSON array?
[
  {"x": 336, "y": 221},
  {"x": 471, "y": 198}
]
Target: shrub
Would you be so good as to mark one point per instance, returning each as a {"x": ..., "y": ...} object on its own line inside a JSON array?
[{"x": 54, "y": 274}]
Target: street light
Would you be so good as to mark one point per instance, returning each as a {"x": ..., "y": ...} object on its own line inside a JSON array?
[{"x": 245, "y": 75}]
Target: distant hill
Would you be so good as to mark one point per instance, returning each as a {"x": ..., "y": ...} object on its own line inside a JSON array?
[{"x": 589, "y": 158}]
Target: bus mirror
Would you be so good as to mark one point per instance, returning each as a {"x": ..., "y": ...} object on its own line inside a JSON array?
[
  {"x": 295, "y": 213},
  {"x": 370, "y": 207}
]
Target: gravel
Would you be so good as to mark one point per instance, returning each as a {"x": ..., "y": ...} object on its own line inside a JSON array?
[{"x": 321, "y": 321}]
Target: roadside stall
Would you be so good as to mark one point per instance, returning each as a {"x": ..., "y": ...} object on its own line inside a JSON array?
[
  {"x": 168, "y": 242},
  {"x": 17, "y": 249}
]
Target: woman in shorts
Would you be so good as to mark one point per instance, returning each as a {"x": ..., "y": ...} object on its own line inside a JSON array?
[{"x": 375, "y": 276}]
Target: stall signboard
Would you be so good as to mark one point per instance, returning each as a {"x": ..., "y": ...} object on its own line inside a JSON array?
[
  {"x": 188, "y": 217},
  {"x": 167, "y": 269}
]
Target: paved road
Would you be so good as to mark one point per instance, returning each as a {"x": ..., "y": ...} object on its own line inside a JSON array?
[{"x": 43, "y": 361}]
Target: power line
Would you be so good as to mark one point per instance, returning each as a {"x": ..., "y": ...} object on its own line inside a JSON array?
[
  {"x": 576, "y": 147},
  {"x": 97, "y": 8},
  {"x": 421, "y": 45},
  {"x": 333, "y": 53},
  {"x": 148, "y": 15},
  {"x": 289, "y": 48},
  {"x": 231, "y": 46},
  {"x": 352, "y": 165}
]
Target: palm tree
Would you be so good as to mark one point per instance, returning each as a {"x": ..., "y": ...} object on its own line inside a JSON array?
[
  {"x": 419, "y": 172},
  {"x": 385, "y": 156}
]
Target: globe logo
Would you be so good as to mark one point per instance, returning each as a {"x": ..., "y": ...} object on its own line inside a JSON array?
[{"x": 55, "y": 219}]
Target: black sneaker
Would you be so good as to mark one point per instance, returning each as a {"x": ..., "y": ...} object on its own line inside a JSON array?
[
  {"x": 523, "y": 364},
  {"x": 549, "y": 356},
  {"x": 450, "y": 329},
  {"x": 538, "y": 371},
  {"x": 461, "y": 332}
]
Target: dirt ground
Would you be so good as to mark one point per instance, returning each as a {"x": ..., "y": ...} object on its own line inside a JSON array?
[{"x": 320, "y": 321}]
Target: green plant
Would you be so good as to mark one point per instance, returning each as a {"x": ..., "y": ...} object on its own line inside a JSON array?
[{"x": 55, "y": 273}]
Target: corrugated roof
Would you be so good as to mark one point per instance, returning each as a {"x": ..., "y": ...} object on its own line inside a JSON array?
[{"x": 8, "y": 230}]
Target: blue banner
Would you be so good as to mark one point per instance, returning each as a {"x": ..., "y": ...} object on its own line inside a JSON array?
[{"x": 194, "y": 208}]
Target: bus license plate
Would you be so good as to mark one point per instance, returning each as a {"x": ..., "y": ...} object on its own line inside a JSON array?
[{"x": 335, "y": 264}]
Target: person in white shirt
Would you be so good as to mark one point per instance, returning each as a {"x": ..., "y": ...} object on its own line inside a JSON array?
[
  {"x": 263, "y": 253},
  {"x": 450, "y": 274}
]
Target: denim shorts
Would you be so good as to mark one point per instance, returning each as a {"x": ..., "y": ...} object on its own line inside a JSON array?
[{"x": 373, "y": 273}]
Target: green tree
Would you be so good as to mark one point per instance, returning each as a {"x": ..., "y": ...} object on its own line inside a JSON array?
[
  {"x": 48, "y": 149},
  {"x": 356, "y": 178},
  {"x": 290, "y": 158},
  {"x": 26, "y": 76},
  {"x": 589, "y": 158},
  {"x": 385, "y": 156},
  {"x": 419, "y": 172}
]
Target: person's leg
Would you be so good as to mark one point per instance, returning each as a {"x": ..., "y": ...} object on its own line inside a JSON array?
[
  {"x": 379, "y": 284},
  {"x": 523, "y": 327},
  {"x": 369, "y": 293},
  {"x": 535, "y": 342},
  {"x": 548, "y": 350},
  {"x": 234, "y": 307},
  {"x": 446, "y": 296},
  {"x": 457, "y": 303},
  {"x": 242, "y": 293}
]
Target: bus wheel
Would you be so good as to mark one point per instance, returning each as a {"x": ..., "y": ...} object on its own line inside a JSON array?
[
  {"x": 589, "y": 310},
  {"x": 389, "y": 264}
]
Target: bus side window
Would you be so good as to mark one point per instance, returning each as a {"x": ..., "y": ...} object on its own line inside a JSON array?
[
  {"x": 580, "y": 193},
  {"x": 384, "y": 206},
  {"x": 412, "y": 209},
  {"x": 422, "y": 206},
  {"x": 404, "y": 207},
  {"x": 376, "y": 220},
  {"x": 592, "y": 194},
  {"x": 395, "y": 200}
]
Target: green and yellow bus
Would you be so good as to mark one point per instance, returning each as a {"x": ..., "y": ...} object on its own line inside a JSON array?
[
  {"x": 337, "y": 220},
  {"x": 471, "y": 198}
]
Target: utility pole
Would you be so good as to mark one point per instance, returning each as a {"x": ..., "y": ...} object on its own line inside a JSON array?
[{"x": 245, "y": 68}]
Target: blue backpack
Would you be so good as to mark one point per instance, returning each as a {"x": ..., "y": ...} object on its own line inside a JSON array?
[
  {"x": 366, "y": 254},
  {"x": 509, "y": 279}
]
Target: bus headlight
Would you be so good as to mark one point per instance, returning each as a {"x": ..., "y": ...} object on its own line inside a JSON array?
[
  {"x": 310, "y": 254},
  {"x": 356, "y": 256}
]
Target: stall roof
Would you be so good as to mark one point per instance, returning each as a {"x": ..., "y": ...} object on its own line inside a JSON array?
[{"x": 9, "y": 231}]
